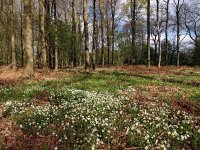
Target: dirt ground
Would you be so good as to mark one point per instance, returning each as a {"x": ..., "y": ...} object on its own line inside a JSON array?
[{"x": 7, "y": 76}]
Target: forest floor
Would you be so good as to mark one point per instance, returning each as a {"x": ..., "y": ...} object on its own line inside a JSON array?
[{"x": 125, "y": 107}]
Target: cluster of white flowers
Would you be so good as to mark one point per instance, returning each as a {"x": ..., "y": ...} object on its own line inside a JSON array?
[
  {"x": 78, "y": 116},
  {"x": 161, "y": 126}
]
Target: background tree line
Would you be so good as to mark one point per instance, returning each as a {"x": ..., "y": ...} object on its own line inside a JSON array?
[{"x": 59, "y": 34}]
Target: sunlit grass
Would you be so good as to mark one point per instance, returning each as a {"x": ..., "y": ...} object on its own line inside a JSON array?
[{"x": 96, "y": 110}]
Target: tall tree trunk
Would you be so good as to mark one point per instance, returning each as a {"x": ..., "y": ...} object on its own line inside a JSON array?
[
  {"x": 108, "y": 30},
  {"x": 8, "y": 19},
  {"x": 42, "y": 46},
  {"x": 1, "y": 36},
  {"x": 56, "y": 38},
  {"x": 94, "y": 36},
  {"x": 21, "y": 34},
  {"x": 148, "y": 33},
  {"x": 166, "y": 32},
  {"x": 80, "y": 40},
  {"x": 28, "y": 39},
  {"x": 156, "y": 50},
  {"x": 85, "y": 18},
  {"x": 158, "y": 28},
  {"x": 98, "y": 39},
  {"x": 102, "y": 31},
  {"x": 133, "y": 26},
  {"x": 113, "y": 8},
  {"x": 48, "y": 35},
  {"x": 14, "y": 64},
  {"x": 73, "y": 39},
  {"x": 178, "y": 32}
]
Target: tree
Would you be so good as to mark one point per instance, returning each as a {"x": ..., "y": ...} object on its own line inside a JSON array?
[
  {"x": 14, "y": 64},
  {"x": 80, "y": 36},
  {"x": 166, "y": 31},
  {"x": 191, "y": 18},
  {"x": 73, "y": 42},
  {"x": 56, "y": 38},
  {"x": 154, "y": 35},
  {"x": 42, "y": 46},
  {"x": 85, "y": 18},
  {"x": 58, "y": 35},
  {"x": 108, "y": 29},
  {"x": 113, "y": 4},
  {"x": 178, "y": 5},
  {"x": 28, "y": 68},
  {"x": 102, "y": 30},
  {"x": 7, "y": 36},
  {"x": 48, "y": 36},
  {"x": 94, "y": 44},
  {"x": 148, "y": 33},
  {"x": 21, "y": 33},
  {"x": 158, "y": 28},
  {"x": 2, "y": 19},
  {"x": 133, "y": 29}
]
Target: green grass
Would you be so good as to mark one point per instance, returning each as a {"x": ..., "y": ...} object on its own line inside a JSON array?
[
  {"x": 101, "y": 82},
  {"x": 79, "y": 110}
]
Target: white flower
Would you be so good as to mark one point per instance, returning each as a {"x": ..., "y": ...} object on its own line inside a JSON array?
[
  {"x": 178, "y": 112},
  {"x": 199, "y": 130},
  {"x": 138, "y": 131},
  {"x": 168, "y": 145},
  {"x": 8, "y": 103},
  {"x": 56, "y": 148},
  {"x": 146, "y": 147},
  {"x": 182, "y": 137},
  {"x": 146, "y": 137},
  {"x": 174, "y": 134},
  {"x": 127, "y": 130},
  {"x": 133, "y": 127}
]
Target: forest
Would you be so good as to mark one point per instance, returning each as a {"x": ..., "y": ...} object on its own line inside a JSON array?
[{"x": 99, "y": 74}]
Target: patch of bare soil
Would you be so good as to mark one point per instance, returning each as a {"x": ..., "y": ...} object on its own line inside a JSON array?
[
  {"x": 190, "y": 83},
  {"x": 168, "y": 94},
  {"x": 155, "y": 94},
  {"x": 8, "y": 134},
  {"x": 12, "y": 138},
  {"x": 165, "y": 70},
  {"x": 188, "y": 107},
  {"x": 8, "y": 77}
]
